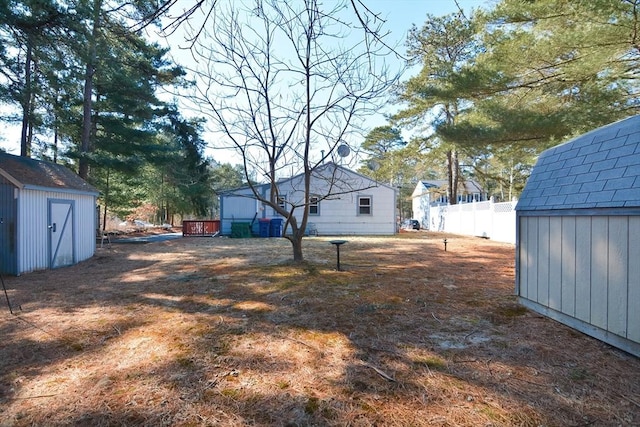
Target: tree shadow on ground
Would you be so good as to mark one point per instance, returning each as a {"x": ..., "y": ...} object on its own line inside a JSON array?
[{"x": 213, "y": 334}]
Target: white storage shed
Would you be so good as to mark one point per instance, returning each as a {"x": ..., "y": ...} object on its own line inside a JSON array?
[
  {"x": 47, "y": 216},
  {"x": 577, "y": 245}
]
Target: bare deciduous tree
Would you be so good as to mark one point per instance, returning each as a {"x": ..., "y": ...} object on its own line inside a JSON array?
[{"x": 287, "y": 83}]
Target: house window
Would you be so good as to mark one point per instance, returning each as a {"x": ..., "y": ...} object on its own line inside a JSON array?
[
  {"x": 282, "y": 202},
  {"x": 314, "y": 205},
  {"x": 364, "y": 205}
]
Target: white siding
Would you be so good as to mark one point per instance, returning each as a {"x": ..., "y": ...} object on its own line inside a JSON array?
[
  {"x": 340, "y": 216},
  {"x": 240, "y": 208},
  {"x": 33, "y": 234},
  {"x": 338, "y": 212},
  {"x": 420, "y": 207}
]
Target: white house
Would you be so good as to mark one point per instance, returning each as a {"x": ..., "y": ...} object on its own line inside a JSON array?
[
  {"x": 343, "y": 202},
  {"x": 577, "y": 246},
  {"x": 434, "y": 193},
  {"x": 47, "y": 216}
]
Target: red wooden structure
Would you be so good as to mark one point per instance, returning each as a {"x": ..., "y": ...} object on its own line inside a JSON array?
[{"x": 205, "y": 227}]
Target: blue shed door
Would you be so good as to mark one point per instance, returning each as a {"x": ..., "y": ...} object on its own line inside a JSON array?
[
  {"x": 61, "y": 241},
  {"x": 8, "y": 259}
]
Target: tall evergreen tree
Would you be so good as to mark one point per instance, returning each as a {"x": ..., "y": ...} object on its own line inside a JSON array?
[
  {"x": 184, "y": 170},
  {"x": 30, "y": 34},
  {"x": 443, "y": 46},
  {"x": 122, "y": 75},
  {"x": 552, "y": 69}
]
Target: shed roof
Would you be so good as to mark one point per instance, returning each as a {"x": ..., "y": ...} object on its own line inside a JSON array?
[
  {"x": 600, "y": 169},
  {"x": 28, "y": 173}
]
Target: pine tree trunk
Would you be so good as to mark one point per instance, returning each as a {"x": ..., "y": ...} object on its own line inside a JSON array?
[
  {"x": 106, "y": 202},
  {"x": 25, "y": 148},
  {"x": 455, "y": 175},
  {"x": 83, "y": 169},
  {"x": 450, "y": 188}
]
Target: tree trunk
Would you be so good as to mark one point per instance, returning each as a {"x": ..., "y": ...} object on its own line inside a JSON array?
[
  {"x": 451, "y": 193},
  {"x": 55, "y": 143},
  {"x": 296, "y": 245},
  {"x": 106, "y": 202},
  {"x": 297, "y": 250},
  {"x": 83, "y": 169},
  {"x": 455, "y": 175},
  {"x": 25, "y": 149}
]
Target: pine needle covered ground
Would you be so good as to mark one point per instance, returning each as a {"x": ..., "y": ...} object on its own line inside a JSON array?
[{"x": 217, "y": 331}]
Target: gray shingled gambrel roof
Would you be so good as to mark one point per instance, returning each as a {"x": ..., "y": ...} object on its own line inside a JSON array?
[
  {"x": 600, "y": 169},
  {"x": 28, "y": 173}
]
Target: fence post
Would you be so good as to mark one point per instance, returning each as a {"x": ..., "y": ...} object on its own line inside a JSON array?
[{"x": 492, "y": 210}]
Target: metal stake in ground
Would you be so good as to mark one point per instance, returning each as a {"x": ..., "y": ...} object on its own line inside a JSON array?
[
  {"x": 338, "y": 243},
  {"x": 6, "y": 295}
]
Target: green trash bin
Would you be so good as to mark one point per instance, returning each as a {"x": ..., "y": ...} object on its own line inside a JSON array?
[{"x": 240, "y": 229}]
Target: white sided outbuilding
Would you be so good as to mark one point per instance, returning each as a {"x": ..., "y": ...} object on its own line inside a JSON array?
[
  {"x": 577, "y": 237},
  {"x": 47, "y": 216}
]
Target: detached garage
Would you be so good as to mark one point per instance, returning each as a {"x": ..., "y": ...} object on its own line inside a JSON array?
[
  {"x": 47, "y": 216},
  {"x": 578, "y": 235}
]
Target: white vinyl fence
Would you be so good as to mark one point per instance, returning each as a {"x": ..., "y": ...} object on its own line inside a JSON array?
[{"x": 495, "y": 221}]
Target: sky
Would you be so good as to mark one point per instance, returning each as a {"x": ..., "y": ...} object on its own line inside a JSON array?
[{"x": 399, "y": 14}]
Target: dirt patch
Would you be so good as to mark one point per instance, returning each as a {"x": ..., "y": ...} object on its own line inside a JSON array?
[{"x": 217, "y": 331}]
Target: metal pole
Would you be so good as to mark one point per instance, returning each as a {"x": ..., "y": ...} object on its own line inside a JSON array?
[
  {"x": 337, "y": 244},
  {"x": 6, "y": 294}
]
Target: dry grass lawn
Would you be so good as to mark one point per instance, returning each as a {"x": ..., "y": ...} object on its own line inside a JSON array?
[{"x": 218, "y": 331}]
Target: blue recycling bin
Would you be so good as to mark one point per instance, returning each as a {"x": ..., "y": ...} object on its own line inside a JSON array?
[
  {"x": 263, "y": 227},
  {"x": 275, "y": 227}
]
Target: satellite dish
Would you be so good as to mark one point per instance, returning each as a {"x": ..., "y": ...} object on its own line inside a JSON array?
[{"x": 343, "y": 150}]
